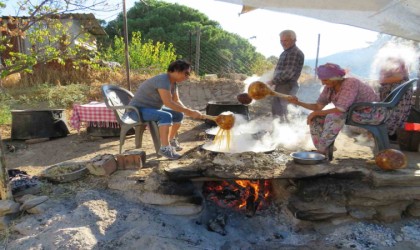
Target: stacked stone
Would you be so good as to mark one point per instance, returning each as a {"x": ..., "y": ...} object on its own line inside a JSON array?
[{"x": 384, "y": 196}]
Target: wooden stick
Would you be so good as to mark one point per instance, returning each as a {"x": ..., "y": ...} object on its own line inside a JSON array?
[
  {"x": 209, "y": 117},
  {"x": 280, "y": 95}
]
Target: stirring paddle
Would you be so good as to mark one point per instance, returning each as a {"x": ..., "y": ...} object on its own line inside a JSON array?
[
  {"x": 259, "y": 90},
  {"x": 225, "y": 122}
]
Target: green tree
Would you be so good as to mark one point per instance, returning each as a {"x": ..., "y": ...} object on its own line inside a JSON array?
[
  {"x": 50, "y": 39},
  {"x": 49, "y": 36},
  {"x": 220, "y": 51}
]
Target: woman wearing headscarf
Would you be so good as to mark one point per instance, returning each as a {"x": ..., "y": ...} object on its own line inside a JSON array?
[
  {"x": 325, "y": 124},
  {"x": 392, "y": 74}
]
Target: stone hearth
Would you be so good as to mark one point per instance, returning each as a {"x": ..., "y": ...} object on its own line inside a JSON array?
[{"x": 334, "y": 190}]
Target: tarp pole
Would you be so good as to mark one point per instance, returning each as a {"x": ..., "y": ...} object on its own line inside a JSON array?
[{"x": 317, "y": 55}]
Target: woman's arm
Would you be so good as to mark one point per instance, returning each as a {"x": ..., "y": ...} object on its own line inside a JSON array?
[
  {"x": 173, "y": 102},
  {"x": 175, "y": 98},
  {"x": 310, "y": 106}
]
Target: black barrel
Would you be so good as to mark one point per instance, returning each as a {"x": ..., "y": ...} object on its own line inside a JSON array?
[
  {"x": 31, "y": 124},
  {"x": 216, "y": 108}
]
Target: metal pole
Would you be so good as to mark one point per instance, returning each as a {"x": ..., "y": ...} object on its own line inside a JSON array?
[
  {"x": 197, "y": 52},
  {"x": 127, "y": 63},
  {"x": 190, "y": 49},
  {"x": 417, "y": 93},
  {"x": 317, "y": 54}
]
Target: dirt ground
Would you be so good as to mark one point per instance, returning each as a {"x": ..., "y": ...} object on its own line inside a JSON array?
[
  {"x": 33, "y": 158},
  {"x": 86, "y": 214}
]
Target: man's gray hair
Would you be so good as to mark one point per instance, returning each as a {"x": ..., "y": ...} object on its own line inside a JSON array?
[{"x": 288, "y": 33}]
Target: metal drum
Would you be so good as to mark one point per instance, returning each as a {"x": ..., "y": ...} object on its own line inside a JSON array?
[
  {"x": 216, "y": 108},
  {"x": 31, "y": 124}
]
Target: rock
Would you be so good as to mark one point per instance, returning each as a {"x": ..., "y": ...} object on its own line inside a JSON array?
[
  {"x": 397, "y": 178},
  {"x": 39, "y": 209},
  {"x": 24, "y": 198},
  {"x": 392, "y": 212},
  {"x": 155, "y": 198},
  {"x": 4, "y": 222},
  {"x": 102, "y": 165},
  {"x": 131, "y": 160},
  {"x": 314, "y": 211},
  {"x": 121, "y": 180},
  {"x": 218, "y": 224},
  {"x": 30, "y": 203},
  {"x": 414, "y": 209},
  {"x": 362, "y": 212},
  {"x": 386, "y": 193},
  {"x": 192, "y": 206},
  {"x": 8, "y": 207}
]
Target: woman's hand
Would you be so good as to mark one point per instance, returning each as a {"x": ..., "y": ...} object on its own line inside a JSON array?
[
  {"x": 194, "y": 114},
  {"x": 293, "y": 99},
  {"x": 312, "y": 116}
]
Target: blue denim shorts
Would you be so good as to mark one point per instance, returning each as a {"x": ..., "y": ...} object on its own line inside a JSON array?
[{"x": 164, "y": 116}]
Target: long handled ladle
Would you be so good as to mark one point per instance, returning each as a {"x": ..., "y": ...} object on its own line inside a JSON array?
[
  {"x": 259, "y": 90},
  {"x": 225, "y": 122}
]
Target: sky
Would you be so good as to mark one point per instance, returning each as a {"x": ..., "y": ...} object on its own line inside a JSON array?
[
  {"x": 262, "y": 27},
  {"x": 266, "y": 25}
]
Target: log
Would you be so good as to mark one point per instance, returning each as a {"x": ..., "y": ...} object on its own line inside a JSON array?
[{"x": 5, "y": 190}]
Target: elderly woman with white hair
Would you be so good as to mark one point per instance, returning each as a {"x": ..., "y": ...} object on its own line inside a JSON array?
[{"x": 325, "y": 124}]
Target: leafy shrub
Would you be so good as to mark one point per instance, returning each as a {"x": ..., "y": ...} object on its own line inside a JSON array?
[{"x": 146, "y": 57}]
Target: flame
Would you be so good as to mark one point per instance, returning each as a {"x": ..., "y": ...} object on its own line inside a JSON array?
[{"x": 239, "y": 194}]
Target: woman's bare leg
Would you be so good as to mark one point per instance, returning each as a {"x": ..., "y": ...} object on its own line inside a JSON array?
[
  {"x": 174, "y": 130},
  {"x": 164, "y": 135}
]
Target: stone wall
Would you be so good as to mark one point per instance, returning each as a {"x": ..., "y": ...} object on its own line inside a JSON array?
[{"x": 196, "y": 94}]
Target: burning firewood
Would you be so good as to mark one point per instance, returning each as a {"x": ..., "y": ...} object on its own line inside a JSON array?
[
  {"x": 243, "y": 195},
  {"x": 218, "y": 224}
]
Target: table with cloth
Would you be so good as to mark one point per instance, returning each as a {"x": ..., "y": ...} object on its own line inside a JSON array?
[{"x": 95, "y": 115}]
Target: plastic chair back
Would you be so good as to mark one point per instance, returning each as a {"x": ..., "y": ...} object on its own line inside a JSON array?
[
  {"x": 118, "y": 99},
  {"x": 379, "y": 130}
]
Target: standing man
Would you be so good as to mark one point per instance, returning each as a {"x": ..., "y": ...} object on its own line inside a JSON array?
[{"x": 287, "y": 73}]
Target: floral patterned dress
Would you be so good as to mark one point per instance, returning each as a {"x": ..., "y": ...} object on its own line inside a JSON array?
[{"x": 324, "y": 129}]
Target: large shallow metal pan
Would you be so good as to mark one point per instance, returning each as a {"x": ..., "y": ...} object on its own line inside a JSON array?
[
  {"x": 308, "y": 158},
  {"x": 247, "y": 148}
]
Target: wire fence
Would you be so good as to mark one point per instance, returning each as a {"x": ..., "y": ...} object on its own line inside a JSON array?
[{"x": 213, "y": 58}]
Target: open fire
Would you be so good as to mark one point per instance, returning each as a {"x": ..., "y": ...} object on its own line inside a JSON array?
[{"x": 242, "y": 195}]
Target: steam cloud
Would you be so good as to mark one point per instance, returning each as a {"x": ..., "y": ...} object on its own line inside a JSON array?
[{"x": 262, "y": 135}]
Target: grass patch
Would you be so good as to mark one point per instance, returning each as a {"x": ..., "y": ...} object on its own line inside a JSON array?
[
  {"x": 5, "y": 115},
  {"x": 42, "y": 96}
]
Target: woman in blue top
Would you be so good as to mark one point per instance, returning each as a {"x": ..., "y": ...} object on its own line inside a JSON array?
[{"x": 157, "y": 99}]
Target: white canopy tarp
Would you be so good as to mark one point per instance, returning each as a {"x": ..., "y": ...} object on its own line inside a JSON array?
[{"x": 394, "y": 17}]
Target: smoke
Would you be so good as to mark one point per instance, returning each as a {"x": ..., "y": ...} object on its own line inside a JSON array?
[{"x": 267, "y": 76}]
